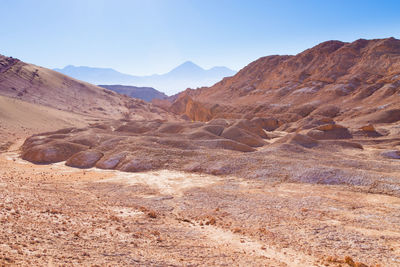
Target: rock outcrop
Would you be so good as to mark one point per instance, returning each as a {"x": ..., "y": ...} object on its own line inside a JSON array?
[
  {"x": 115, "y": 145},
  {"x": 358, "y": 82}
]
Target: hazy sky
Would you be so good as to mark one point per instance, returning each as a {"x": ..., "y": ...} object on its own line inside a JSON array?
[{"x": 153, "y": 36}]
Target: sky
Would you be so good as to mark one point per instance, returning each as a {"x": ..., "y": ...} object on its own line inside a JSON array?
[{"x": 142, "y": 37}]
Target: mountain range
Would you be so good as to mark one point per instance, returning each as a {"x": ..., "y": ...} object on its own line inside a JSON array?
[
  {"x": 186, "y": 75},
  {"x": 357, "y": 82}
]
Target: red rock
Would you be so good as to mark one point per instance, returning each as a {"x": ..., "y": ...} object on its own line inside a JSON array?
[
  {"x": 298, "y": 139},
  {"x": 242, "y": 136},
  {"x": 133, "y": 164},
  {"x": 84, "y": 159},
  {"x": 329, "y": 131},
  {"x": 51, "y": 152},
  {"x": 110, "y": 161}
]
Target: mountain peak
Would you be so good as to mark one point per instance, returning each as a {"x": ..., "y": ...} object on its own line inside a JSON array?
[
  {"x": 187, "y": 66},
  {"x": 188, "y": 63}
]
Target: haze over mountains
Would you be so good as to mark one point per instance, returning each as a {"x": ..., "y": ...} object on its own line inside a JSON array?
[{"x": 186, "y": 75}]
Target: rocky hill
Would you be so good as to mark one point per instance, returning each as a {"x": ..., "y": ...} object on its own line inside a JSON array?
[
  {"x": 46, "y": 87},
  {"x": 356, "y": 82},
  {"x": 144, "y": 93}
]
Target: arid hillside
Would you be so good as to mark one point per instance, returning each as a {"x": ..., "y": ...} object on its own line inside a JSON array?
[
  {"x": 356, "y": 82},
  {"x": 292, "y": 162},
  {"x": 144, "y": 93},
  {"x": 46, "y": 87},
  {"x": 19, "y": 119}
]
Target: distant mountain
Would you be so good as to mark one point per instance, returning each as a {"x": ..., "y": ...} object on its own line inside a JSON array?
[
  {"x": 97, "y": 75},
  {"x": 144, "y": 93},
  {"x": 186, "y": 75}
]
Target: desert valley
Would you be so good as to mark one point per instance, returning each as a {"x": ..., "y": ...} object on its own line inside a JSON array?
[{"x": 293, "y": 161}]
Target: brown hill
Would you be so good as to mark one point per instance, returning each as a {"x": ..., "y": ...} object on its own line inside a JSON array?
[
  {"x": 46, "y": 87},
  {"x": 19, "y": 119},
  {"x": 356, "y": 82},
  {"x": 295, "y": 183},
  {"x": 145, "y": 93}
]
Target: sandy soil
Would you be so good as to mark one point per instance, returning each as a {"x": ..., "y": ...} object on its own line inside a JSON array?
[
  {"x": 54, "y": 215},
  {"x": 19, "y": 119}
]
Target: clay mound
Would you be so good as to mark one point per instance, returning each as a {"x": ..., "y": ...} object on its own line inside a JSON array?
[
  {"x": 268, "y": 124},
  {"x": 368, "y": 131},
  {"x": 221, "y": 122},
  {"x": 304, "y": 110},
  {"x": 225, "y": 144},
  {"x": 51, "y": 152},
  {"x": 111, "y": 161},
  {"x": 171, "y": 128},
  {"x": 201, "y": 134},
  {"x": 84, "y": 159},
  {"x": 136, "y": 127},
  {"x": 133, "y": 164},
  {"x": 242, "y": 136},
  {"x": 214, "y": 129},
  {"x": 330, "y": 131},
  {"x": 35, "y": 141},
  {"x": 387, "y": 116},
  {"x": 310, "y": 122},
  {"x": 110, "y": 143},
  {"x": 135, "y": 146},
  {"x": 329, "y": 111},
  {"x": 297, "y": 139},
  {"x": 251, "y": 127},
  {"x": 89, "y": 139}
]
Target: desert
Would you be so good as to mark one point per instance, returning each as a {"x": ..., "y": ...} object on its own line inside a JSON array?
[
  {"x": 293, "y": 160},
  {"x": 91, "y": 189}
]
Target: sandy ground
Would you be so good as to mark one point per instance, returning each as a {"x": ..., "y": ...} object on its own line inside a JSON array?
[
  {"x": 19, "y": 119},
  {"x": 54, "y": 215}
]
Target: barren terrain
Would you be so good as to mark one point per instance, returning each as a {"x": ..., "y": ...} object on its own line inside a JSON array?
[
  {"x": 299, "y": 208},
  {"x": 309, "y": 176},
  {"x": 54, "y": 214}
]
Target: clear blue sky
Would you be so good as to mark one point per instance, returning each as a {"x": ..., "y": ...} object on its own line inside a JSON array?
[{"x": 153, "y": 36}]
